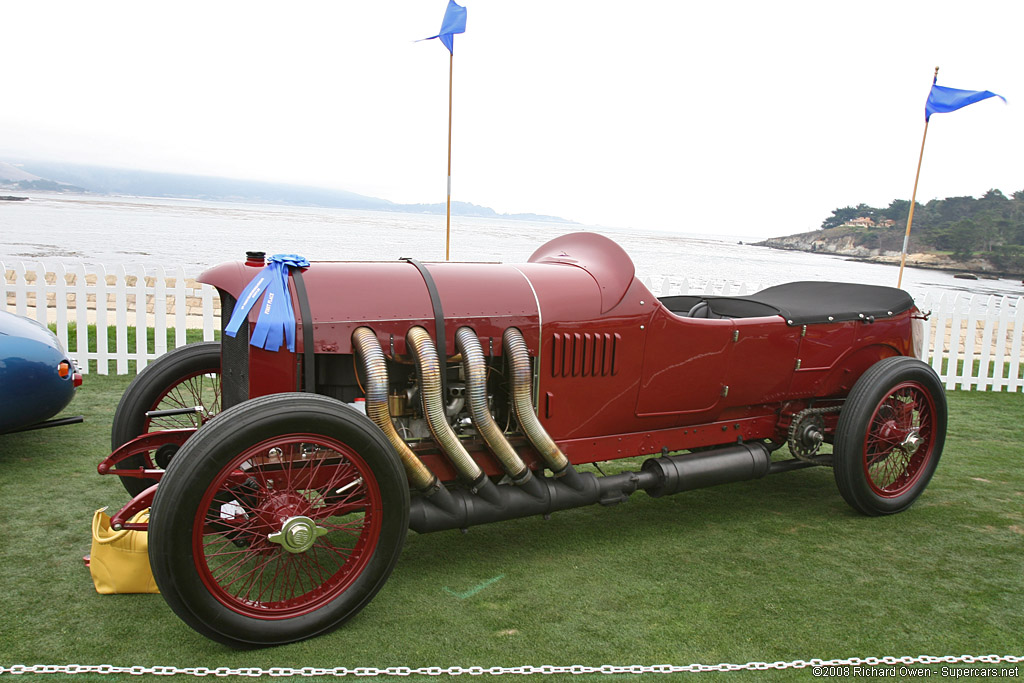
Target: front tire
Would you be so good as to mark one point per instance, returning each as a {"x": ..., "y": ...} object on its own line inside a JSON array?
[
  {"x": 890, "y": 436},
  {"x": 279, "y": 521}
]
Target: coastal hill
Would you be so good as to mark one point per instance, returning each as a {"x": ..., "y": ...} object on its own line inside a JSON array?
[
  {"x": 16, "y": 178},
  {"x": 75, "y": 178},
  {"x": 963, "y": 234}
]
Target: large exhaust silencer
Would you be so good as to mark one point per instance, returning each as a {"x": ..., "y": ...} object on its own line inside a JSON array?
[
  {"x": 678, "y": 473},
  {"x": 659, "y": 477}
]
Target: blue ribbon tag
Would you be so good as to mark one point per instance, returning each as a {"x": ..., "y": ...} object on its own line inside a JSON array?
[{"x": 276, "y": 317}]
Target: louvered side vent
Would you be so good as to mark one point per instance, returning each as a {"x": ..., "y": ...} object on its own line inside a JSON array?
[{"x": 584, "y": 354}]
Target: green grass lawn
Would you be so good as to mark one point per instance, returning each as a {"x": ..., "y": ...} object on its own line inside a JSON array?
[
  {"x": 129, "y": 343},
  {"x": 777, "y": 569}
]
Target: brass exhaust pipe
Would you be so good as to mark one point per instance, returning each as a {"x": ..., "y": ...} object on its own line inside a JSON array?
[
  {"x": 519, "y": 361},
  {"x": 430, "y": 368},
  {"x": 468, "y": 344},
  {"x": 368, "y": 349}
]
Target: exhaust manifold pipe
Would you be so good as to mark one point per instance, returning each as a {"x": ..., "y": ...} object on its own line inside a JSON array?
[
  {"x": 522, "y": 401},
  {"x": 475, "y": 370},
  {"x": 430, "y": 368},
  {"x": 374, "y": 365}
]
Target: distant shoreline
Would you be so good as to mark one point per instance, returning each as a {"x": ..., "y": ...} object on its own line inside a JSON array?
[
  {"x": 815, "y": 243},
  {"x": 64, "y": 178}
]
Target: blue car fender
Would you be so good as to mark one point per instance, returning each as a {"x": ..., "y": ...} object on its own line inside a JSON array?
[{"x": 37, "y": 378}]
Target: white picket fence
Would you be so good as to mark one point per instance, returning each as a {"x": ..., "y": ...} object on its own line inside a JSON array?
[
  {"x": 80, "y": 295},
  {"x": 975, "y": 342}
]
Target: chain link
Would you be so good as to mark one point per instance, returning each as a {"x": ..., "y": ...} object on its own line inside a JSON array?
[{"x": 546, "y": 669}]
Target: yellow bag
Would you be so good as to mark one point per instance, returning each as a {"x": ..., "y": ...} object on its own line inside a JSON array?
[{"x": 119, "y": 560}]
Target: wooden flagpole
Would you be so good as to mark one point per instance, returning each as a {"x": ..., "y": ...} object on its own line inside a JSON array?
[
  {"x": 913, "y": 197},
  {"x": 448, "y": 210}
]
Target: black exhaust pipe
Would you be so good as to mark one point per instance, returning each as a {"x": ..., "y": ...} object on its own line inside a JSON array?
[
  {"x": 543, "y": 495},
  {"x": 680, "y": 473}
]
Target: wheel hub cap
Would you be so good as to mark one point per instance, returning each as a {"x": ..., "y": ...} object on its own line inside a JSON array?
[
  {"x": 297, "y": 534},
  {"x": 911, "y": 443}
]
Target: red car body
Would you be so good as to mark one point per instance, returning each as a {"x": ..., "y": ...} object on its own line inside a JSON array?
[
  {"x": 618, "y": 374},
  {"x": 282, "y": 510}
]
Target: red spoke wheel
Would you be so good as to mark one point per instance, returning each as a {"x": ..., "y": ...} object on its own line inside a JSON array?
[
  {"x": 890, "y": 436},
  {"x": 187, "y": 377},
  {"x": 278, "y": 521}
]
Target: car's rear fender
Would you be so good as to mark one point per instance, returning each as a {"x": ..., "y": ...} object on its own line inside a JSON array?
[{"x": 838, "y": 380}]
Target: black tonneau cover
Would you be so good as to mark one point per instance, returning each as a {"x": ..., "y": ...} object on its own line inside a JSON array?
[{"x": 801, "y": 303}]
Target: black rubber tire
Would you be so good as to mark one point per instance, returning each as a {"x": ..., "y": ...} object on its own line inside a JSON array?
[
  {"x": 145, "y": 391},
  {"x": 205, "y": 457},
  {"x": 897, "y": 381}
]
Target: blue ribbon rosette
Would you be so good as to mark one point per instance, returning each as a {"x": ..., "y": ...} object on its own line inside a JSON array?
[{"x": 276, "y": 318}]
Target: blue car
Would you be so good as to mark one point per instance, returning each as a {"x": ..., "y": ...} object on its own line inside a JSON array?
[{"x": 37, "y": 378}]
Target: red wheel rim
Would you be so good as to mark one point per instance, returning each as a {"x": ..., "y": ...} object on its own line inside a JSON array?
[
  {"x": 899, "y": 441},
  {"x": 198, "y": 389},
  {"x": 297, "y": 486}
]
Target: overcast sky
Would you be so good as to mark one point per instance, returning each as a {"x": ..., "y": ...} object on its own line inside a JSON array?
[{"x": 740, "y": 118}]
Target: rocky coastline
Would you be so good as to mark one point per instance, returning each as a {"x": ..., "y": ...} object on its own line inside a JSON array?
[{"x": 817, "y": 242}]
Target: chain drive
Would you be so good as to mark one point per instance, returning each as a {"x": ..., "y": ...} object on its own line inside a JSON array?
[{"x": 807, "y": 432}]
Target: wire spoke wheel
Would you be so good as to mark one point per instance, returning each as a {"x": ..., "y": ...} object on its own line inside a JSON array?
[
  {"x": 899, "y": 441},
  {"x": 287, "y": 525},
  {"x": 186, "y": 378},
  {"x": 890, "y": 436},
  {"x": 199, "y": 390},
  {"x": 278, "y": 521}
]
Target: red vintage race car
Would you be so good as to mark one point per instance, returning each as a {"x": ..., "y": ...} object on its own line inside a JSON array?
[{"x": 440, "y": 396}]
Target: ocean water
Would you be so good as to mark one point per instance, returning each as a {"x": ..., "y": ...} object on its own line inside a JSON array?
[{"x": 198, "y": 234}]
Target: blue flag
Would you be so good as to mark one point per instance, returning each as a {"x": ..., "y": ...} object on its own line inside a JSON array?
[
  {"x": 276, "y": 318},
  {"x": 454, "y": 22},
  {"x": 942, "y": 100}
]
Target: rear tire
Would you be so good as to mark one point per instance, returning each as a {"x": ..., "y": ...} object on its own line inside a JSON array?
[
  {"x": 278, "y": 521},
  {"x": 890, "y": 436},
  {"x": 184, "y": 377}
]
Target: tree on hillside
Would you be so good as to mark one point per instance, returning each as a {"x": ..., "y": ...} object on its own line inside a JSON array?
[
  {"x": 962, "y": 238},
  {"x": 952, "y": 209},
  {"x": 964, "y": 225},
  {"x": 989, "y": 225},
  {"x": 839, "y": 217},
  {"x": 898, "y": 210},
  {"x": 1009, "y": 258},
  {"x": 1015, "y": 219}
]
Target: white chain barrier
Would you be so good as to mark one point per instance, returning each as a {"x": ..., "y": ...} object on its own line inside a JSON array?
[{"x": 830, "y": 668}]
